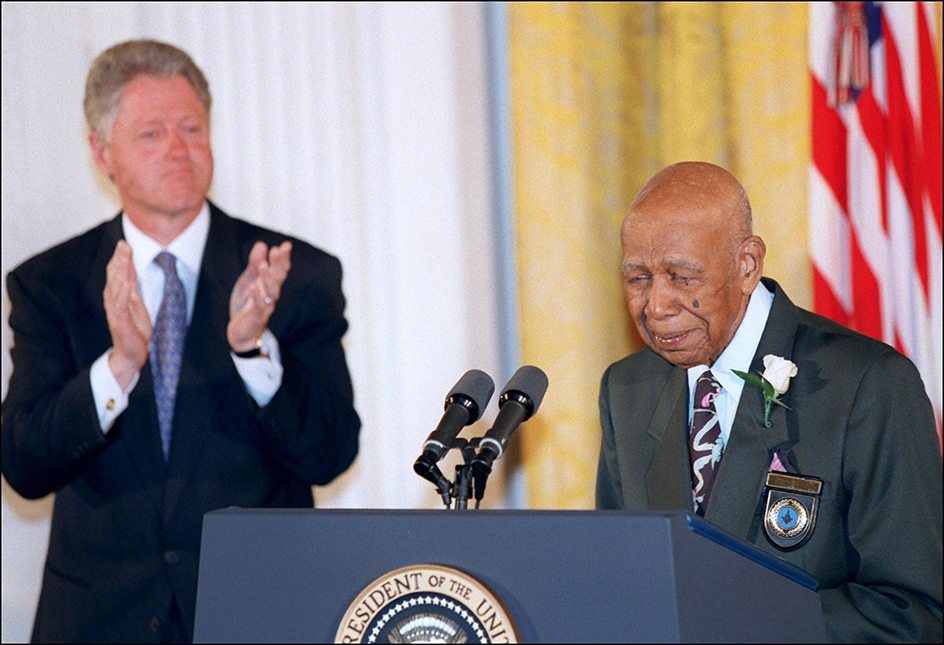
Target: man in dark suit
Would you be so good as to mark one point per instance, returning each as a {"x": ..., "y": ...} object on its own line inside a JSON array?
[
  {"x": 167, "y": 363},
  {"x": 682, "y": 431}
]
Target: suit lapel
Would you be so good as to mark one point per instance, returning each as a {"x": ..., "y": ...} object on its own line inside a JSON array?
[
  {"x": 206, "y": 360},
  {"x": 739, "y": 485},
  {"x": 668, "y": 483},
  {"x": 136, "y": 429},
  {"x": 737, "y": 491}
]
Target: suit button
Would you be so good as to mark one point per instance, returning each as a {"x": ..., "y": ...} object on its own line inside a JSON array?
[
  {"x": 155, "y": 625},
  {"x": 171, "y": 557}
]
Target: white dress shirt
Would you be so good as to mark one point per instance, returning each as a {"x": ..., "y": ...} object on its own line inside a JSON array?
[
  {"x": 737, "y": 355},
  {"x": 262, "y": 376}
]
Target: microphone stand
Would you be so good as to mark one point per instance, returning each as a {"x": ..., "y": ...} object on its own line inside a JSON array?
[
  {"x": 456, "y": 495},
  {"x": 462, "y": 489}
]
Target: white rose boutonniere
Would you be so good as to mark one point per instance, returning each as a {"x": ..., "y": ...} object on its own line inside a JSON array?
[
  {"x": 774, "y": 381},
  {"x": 778, "y": 372}
]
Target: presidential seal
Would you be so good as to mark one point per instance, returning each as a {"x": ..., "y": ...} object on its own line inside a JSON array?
[
  {"x": 790, "y": 513},
  {"x": 426, "y": 603}
]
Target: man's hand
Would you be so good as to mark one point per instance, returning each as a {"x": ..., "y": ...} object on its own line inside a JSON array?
[
  {"x": 256, "y": 293},
  {"x": 128, "y": 319}
]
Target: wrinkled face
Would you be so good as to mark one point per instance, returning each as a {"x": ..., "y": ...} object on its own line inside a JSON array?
[
  {"x": 159, "y": 152},
  {"x": 686, "y": 284}
]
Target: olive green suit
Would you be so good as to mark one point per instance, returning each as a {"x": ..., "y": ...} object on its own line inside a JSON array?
[{"x": 859, "y": 419}]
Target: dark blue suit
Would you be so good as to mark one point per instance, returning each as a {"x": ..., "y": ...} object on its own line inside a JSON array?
[{"x": 126, "y": 527}]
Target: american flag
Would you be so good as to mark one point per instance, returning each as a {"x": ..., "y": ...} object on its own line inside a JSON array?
[{"x": 875, "y": 176}]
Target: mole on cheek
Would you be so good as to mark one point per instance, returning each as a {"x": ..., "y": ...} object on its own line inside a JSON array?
[{"x": 695, "y": 304}]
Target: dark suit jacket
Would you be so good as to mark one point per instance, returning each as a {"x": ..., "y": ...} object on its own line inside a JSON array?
[
  {"x": 859, "y": 420},
  {"x": 126, "y": 527}
]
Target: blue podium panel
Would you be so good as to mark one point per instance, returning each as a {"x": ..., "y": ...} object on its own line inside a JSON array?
[{"x": 564, "y": 576}]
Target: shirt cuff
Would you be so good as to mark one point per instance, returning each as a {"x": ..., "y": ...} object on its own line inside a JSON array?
[
  {"x": 262, "y": 375},
  {"x": 109, "y": 399}
]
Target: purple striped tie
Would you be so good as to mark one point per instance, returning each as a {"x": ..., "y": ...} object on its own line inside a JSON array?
[
  {"x": 167, "y": 346},
  {"x": 704, "y": 440}
]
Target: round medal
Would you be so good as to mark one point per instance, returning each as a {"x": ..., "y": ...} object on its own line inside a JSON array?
[{"x": 787, "y": 518}]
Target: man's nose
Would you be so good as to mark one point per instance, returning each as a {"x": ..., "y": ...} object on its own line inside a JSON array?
[
  {"x": 176, "y": 146},
  {"x": 662, "y": 299}
]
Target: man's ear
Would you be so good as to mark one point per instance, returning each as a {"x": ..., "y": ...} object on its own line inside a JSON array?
[
  {"x": 100, "y": 153},
  {"x": 752, "y": 254}
]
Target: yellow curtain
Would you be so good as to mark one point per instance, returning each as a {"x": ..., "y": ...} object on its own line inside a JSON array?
[{"x": 603, "y": 96}]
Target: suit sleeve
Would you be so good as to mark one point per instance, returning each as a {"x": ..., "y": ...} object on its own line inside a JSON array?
[
  {"x": 310, "y": 425},
  {"x": 50, "y": 426},
  {"x": 892, "y": 475},
  {"x": 609, "y": 490}
]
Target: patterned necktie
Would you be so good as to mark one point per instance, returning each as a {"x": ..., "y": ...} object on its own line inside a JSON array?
[
  {"x": 704, "y": 440},
  {"x": 167, "y": 346}
]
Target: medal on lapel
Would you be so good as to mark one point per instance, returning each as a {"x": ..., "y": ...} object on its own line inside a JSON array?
[{"x": 790, "y": 512}]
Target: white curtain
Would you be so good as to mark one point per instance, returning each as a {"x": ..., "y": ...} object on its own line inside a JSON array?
[{"x": 361, "y": 128}]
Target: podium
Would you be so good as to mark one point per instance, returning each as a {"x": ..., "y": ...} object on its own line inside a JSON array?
[{"x": 270, "y": 575}]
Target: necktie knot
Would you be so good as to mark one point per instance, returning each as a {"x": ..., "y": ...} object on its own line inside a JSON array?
[
  {"x": 167, "y": 262},
  {"x": 707, "y": 390}
]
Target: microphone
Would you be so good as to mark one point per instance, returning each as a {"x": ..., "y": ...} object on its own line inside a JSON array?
[
  {"x": 464, "y": 405},
  {"x": 518, "y": 402}
]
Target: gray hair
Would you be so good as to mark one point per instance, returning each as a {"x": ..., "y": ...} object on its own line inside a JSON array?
[{"x": 118, "y": 65}]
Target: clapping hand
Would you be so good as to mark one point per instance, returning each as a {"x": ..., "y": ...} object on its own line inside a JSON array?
[
  {"x": 256, "y": 293},
  {"x": 128, "y": 319}
]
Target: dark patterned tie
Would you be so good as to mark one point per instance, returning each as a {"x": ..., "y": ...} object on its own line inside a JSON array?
[
  {"x": 704, "y": 440},
  {"x": 167, "y": 346}
]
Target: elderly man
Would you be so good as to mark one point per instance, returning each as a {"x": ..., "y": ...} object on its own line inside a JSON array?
[
  {"x": 169, "y": 362},
  {"x": 842, "y": 480}
]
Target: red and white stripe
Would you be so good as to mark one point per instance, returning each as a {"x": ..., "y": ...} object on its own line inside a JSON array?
[{"x": 875, "y": 187}]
